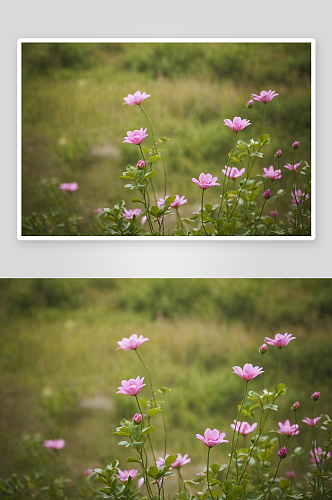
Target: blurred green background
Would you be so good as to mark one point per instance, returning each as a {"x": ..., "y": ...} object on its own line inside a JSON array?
[
  {"x": 74, "y": 121},
  {"x": 60, "y": 369}
]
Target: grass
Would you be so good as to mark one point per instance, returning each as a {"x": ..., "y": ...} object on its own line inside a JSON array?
[
  {"x": 72, "y": 104},
  {"x": 59, "y": 354}
]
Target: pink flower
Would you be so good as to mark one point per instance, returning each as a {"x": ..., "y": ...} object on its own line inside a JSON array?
[
  {"x": 98, "y": 210},
  {"x": 263, "y": 349},
  {"x": 243, "y": 428},
  {"x": 278, "y": 153},
  {"x": 132, "y": 343},
  {"x": 137, "y": 418},
  {"x": 265, "y": 96},
  {"x": 206, "y": 181},
  {"x": 288, "y": 429},
  {"x": 176, "y": 203},
  {"x": 140, "y": 482},
  {"x": 123, "y": 475},
  {"x": 137, "y": 98},
  {"x": 249, "y": 372},
  {"x": 233, "y": 172},
  {"x": 143, "y": 220},
  {"x": 212, "y": 438},
  {"x": 54, "y": 444},
  {"x": 296, "y": 144},
  {"x": 250, "y": 104},
  {"x": 71, "y": 186},
  {"x": 129, "y": 214},
  {"x": 315, "y": 396},
  {"x": 136, "y": 136},
  {"x": 290, "y": 474},
  {"x": 270, "y": 173},
  {"x": 274, "y": 213},
  {"x": 141, "y": 164},
  {"x": 280, "y": 340},
  {"x": 282, "y": 453},
  {"x": 320, "y": 455},
  {"x": 299, "y": 196},
  {"x": 179, "y": 462},
  {"x": 267, "y": 194},
  {"x": 87, "y": 472},
  {"x": 131, "y": 387},
  {"x": 292, "y": 168},
  {"x": 311, "y": 421},
  {"x": 237, "y": 124},
  {"x": 295, "y": 406}
]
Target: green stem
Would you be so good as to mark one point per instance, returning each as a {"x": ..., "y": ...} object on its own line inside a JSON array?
[
  {"x": 259, "y": 218},
  {"x": 180, "y": 476},
  {"x": 207, "y": 473},
  {"x": 279, "y": 365},
  {"x": 237, "y": 419},
  {"x": 223, "y": 185},
  {"x": 263, "y": 121},
  {"x": 202, "y": 212},
  {"x": 275, "y": 475},
  {"x": 262, "y": 373}
]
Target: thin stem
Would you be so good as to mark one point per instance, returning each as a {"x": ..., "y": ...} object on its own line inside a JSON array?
[
  {"x": 275, "y": 475},
  {"x": 263, "y": 121},
  {"x": 279, "y": 365},
  {"x": 259, "y": 218},
  {"x": 180, "y": 476},
  {"x": 207, "y": 473},
  {"x": 223, "y": 185},
  {"x": 202, "y": 211},
  {"x": 235, "y": 430},
  {"x": 263, "y": 372}
]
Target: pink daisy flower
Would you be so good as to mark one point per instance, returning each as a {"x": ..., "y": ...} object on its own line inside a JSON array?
[
  {"x": 265, "y": 96},
  {"x": 237, "y": 124},
  {"x": 137, "y": 98},
  {"x": 280, "y": 340}
]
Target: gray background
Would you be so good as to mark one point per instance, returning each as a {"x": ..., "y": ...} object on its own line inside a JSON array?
[{"x": 160, "y": 18}]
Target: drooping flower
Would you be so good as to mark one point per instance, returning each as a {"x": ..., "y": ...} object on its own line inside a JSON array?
[
  {"x": 137, "y": 98},
  {"x": 295, "y": 406},
  {"x": 69, "y": 186},
  {"x": 267, "y": 194},
  {"x": 137, "y": 418},
  {"x": 141, "y": 164},
  {"x": 131, "y": 387},
  {"x": 278, "y": 153},
  {"x": 292, "y": 168},
  {"x": 263, "y": 349},
  {"x": 87, "y": 472},
  {"x": 250, "y": 103},
  {"x": 212, "y": 438},
  {"x": 176, "y": 203},
  {"x": 296, "y": 144},
  {"x": 265, "y": 96},
  {"x": 123, "y": 475},
  {"x": 132, "y": 343},
  {"x": 206, "y": 181},
  {"x": 249, "y": 371},
  {"x": 54, "y": 444},
  {"x": 136, "y": 136},
  {"x": 282, "y": 453},
  {"x": 274, "y": 213},
  {"x": 237, "y": 124},
  {"x": 315, "y": 396},
  {"x": 129, "y": 214},
  {"x": 311, "y": 421},
  {"x": 299, "y": 196},
  {"x": 243, "y": 428},
  {"x": 290, "y": 474},
  {"x": 270, "y": 173},
  {"x": 320, "y": 456},
  {"x": 233, "y": 172},
  {"x": 288, "y": 429},
  {"x": 280, "y": 340}
]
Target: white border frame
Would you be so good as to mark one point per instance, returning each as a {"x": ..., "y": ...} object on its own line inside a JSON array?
[{"x": 312, "y": 41}]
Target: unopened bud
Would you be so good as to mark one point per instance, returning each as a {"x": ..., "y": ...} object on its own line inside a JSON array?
[
  {"x": 296, "y": 144},
  {"x": 295, "y": 406},
  {"x": 315, "y": 396},
  {"x": 278, "y": 153},
  {"x": 250, "y": 104},
  {"x": 267, "y": 194},
  {"x": 137, "y": 418},
  {"x": 282, "y": 453},
  {"x": 263, "y": 349}
]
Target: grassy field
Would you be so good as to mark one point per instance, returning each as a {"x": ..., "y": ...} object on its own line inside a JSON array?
[
  {"x": 74, "y": 121},
  {"x": 60, "y": 369}
]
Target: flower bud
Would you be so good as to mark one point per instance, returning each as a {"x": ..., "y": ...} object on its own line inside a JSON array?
[
  {"x": 295, "y": 406},
  {"x": 137, "y": 418},
  {"x": 250, "y": 104},
  {"x": 290, "y": 474},
  {"x": 141, "y": 164},
  {"x": 282, "y": 453},
  {"x": 315, "y": 396},
  {"x": 267, "y": 194},
  {"x": 278, "y": 153},
  {"x": 263, "y": 349},
  {"x": 296, "y": 144}
]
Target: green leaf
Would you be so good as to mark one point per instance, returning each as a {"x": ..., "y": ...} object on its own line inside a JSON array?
[
  {"x": 153, "y": 411},
  {"x": 154, "y": 211},
  {"x": 270, "y": 407},
  {"x": 137, "y": 445},
  {"x": 148, "y": 430},
  {"x": 164, "y": 139},
  {"x": 253, "y": 495},
  {"x": 227, "y": 486},
  {"x": 163, "y": 390},
  {"x": 242, "y": 231},
  {"x": 132, "y": 459},
  {"x": 169, "y": 200},
  {"x": 242, "y": 145},
  {"x": 123, "y": 443},
  {"x": 145, "y": 150},
  {"x": 98, "y": 471},
  {"x": 102, "y": 480},
  {"x": 150, "y": 174},
  {"x": 257, "y": 154},
  {"x": 137, "y": 200},
  {"x": 170, "y": 459},
  {"x": 142, "y": 402},
  {"x": 155, "y": 158},
  {"x": 284, "y": 483},
  {"x": 237, "y": 491},
  {"x": 153, "y": 471}
]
